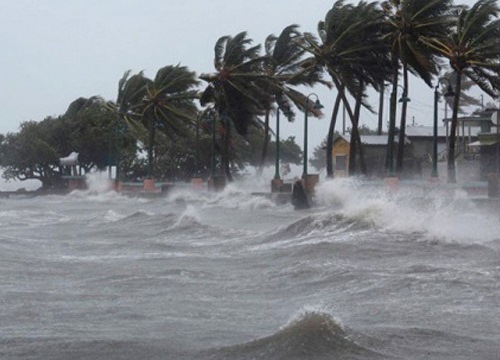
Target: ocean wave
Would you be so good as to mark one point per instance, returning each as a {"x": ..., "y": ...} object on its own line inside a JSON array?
[
  {"x": 327, "y": 223},
  {"x": 450, "y": 216},
  {"x": 22, "y": 217},
  {"x": 311, "y": 335}
]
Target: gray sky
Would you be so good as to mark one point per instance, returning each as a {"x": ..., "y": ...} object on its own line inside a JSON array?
[{"x": 54, "y": 51}]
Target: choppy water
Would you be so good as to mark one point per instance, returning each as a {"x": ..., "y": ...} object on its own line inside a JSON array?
[{"x": 363, "y": 275}]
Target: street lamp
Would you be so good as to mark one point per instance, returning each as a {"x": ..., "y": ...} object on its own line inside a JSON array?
[
  {"x": 449, "y": 92},
  {"x": 404, "y": 97},
  {"x": 196, "y": 150},
  {"x": 317, "y": 105},
  {"x": 389, "y": 160},
  {"x": 402, "y": 131},
  {"x": 277, "y": 160},
  {"x": 212, "y": 119}
]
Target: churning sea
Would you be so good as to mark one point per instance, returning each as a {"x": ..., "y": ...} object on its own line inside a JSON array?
[{"x": 364, "y": 274}]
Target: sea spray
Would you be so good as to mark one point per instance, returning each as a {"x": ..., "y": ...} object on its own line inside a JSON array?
[{"x": 446, "y": 215}]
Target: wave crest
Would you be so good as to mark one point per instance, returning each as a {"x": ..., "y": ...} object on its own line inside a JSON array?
[
  {"x": 311, "y": 335},
  {"x": 325, "y": 223}
]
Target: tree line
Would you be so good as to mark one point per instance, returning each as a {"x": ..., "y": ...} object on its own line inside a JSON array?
[{"x": 227, "y": 112}]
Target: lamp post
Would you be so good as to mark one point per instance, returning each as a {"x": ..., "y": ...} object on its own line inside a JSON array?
[
  {"x": 277, "y": 160},
  {"x": 115, "y": 142},
  {"x": 317, "y": 105},
  {"x": 212, "y": 163},
  {"x": 449, "y": 92},
  {"x": 196, "y": 151},
  {"x": 121, "y": 129},
  {"x": 151, "y": 137},
  {"x": 402, "y": 131},
  {"x": 389, "y": 160}
]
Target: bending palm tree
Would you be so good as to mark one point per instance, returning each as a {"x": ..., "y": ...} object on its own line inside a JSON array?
[
  {"x": 283, "y": 62},
  {"x": 165, "y": 102},
  {"x": 237, "y": 89},
  {"x": 473, "y": 51},
  {"x": 169, "y": 104},
  {"x": 353, "y": 55},
  {"x": 407, "y": 22}
]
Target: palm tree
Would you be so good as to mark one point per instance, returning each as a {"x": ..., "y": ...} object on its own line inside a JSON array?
[
  {"x": 465, "y": 85},
  {"x": 354, "y": 56},
  {"x": 168, "y": 104},
  {"x": 283, "y": 62},
  {"x": 165, "y": 103},
  {"x": 407, "y": 21},
  {"x": 131, "y": 92},
  {"x": 472, "y": 48},
  {"x": 237, "y": 88}
]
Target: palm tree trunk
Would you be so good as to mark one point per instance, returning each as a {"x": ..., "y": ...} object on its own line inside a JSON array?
[
  {"x": 452, "y": 174},
  {"x": 389, "y": 161},
  {"x": 402, "y": 128},
  {"x": 354, "y": 134},
  {"x": 329, "y": 138},
  {"x": 381, "y": 108},
  {"x": 264, "y": 145},
  {"x": 355, "y": 137}
]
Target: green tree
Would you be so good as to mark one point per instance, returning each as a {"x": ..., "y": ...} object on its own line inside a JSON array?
[
  {"x": 168, "y": 105},
  {"x": 351, "y": 50},
  {"x": 94, "y": 131},
  {"x": 318, "y": 160},
  {"x": 472, "y": 48},
  {"x": 165, "y": 104},
  {"x": 236, "y": 90},
  {"x": 284, "y": 63},
  {"x": 407, "y": 22},
  {"x": 29, "y": 154}
]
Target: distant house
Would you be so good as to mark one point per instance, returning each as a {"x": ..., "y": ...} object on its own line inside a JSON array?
[
  {"x": 422, "y": 141},
  {"x": 488, "y": 146},
  {"x": 468, "y": 130},
  {"x": 375, "y": 150}
]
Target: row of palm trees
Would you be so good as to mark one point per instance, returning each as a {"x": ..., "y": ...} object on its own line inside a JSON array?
[{"x": 359, "y": 46}]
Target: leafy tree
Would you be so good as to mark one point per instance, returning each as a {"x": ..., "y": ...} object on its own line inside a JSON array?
[
  {"x": 88, "y": 127},
  {"x": 93, "y": 130},
  {"x": 472, "y": 48},
  {"x": 318, "y": 160},
  {"x": 29, "y": 154}
]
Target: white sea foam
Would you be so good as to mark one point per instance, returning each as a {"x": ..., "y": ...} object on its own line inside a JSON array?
[{"x": 448, "y": 215}]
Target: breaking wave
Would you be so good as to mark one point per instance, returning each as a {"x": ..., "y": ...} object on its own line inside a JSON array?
[{"x": 310, "y": 334}]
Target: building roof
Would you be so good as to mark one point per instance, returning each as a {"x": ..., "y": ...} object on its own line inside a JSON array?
[
  {"x": 376, "y": 140},
  {"x": 71, "y": 159},
  {"x": 424, "y": 131},
  {"x": 471, "y": 120}
]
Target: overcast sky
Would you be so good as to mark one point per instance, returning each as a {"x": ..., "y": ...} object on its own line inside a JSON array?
[{"x": 54, "y": 51}]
